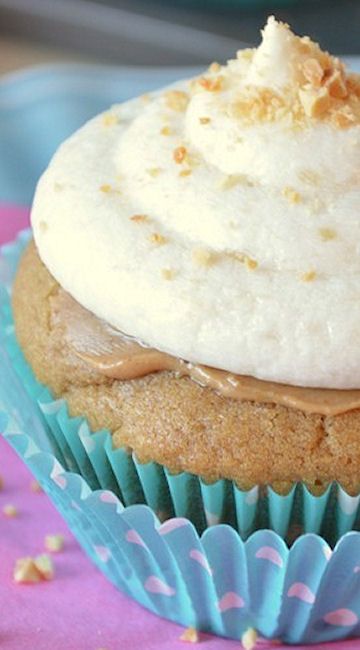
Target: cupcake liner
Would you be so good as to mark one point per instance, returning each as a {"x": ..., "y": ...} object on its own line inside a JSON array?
[{"x": 217, "y": 581}]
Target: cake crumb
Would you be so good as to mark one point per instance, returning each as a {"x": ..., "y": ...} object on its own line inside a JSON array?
[
  {"x": 249, "y": 639},
  {"x": 179, "y": 154},
  {"x": 11, "y": 511},
  {"x": 158, "y": 239},
  {"x": 35, "y": 486},
  {"x": 327, "y": 234},
  {"x": 26, "y": 571},
  {"x": 203, "y": 257},
  {"x": 190, "y": 635},
  {"x": 204, "y": 120},
  {"x": 309, "y": 276},
  {"x": 177, "y": 100},
  {"x": 291, "y": 195},
  {"x": 54, "y": 543},
  {"x": 168, "y": 274},
  {"x": 139, "y": 218}
]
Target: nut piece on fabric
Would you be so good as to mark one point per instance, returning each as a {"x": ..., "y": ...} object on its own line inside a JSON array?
[{"x": 190, "y": 635}]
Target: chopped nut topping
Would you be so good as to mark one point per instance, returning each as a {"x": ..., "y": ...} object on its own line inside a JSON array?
[
  {"x": 179, "y": 154},
  {"x": 327, "y": 234},
  {"x": 158, "y": 239},
  {"x": 212, "y": 84},
  {"x": 234, "y": 179},
  {"x": 58, "y": 187},
  {"x": 309, "y": 276},
  {"x": 291, "y": 195},
  {"x": 168, "y": 274},
  {"x": 249, "y": 262},
  {"x": 177, "y": 100},
  {"x": 315, "y": 101},
  {"x": 54, "y": 543},
  {"x": 190, "y": 635},
  {"x": 139, "y": 218},
  {"x": 313, "y": 72},
  {"x": 204, "y": 120},
  {"x": 10, "y": 510},
  {"x": 249, "y": 639},
  {"x": 105, "y": 188},
  {"x": 166, "y": 130},
  {"x": 185, "y": 172},
  {"x": 203, "y": 257},
  {"x": 214, "y": 67},
  {"x": 154, "y": 171},
  {"x": 309, "y": 176},
  {"x": 109, "y": 119}
]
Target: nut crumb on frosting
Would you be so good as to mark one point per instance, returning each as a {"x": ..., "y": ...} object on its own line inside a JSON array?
[
  {"x": 177, "y": 100},
  {"x": 190, "y": 635},
  {"x": 232, "y": 180},
  {"x": 203, "y": 257},
  {"x": 165, "y": 130},
  {"x": 139, "y": 218},
  {"x": 110, "y": 119},
  {"x": 185, "y": 172},
  {"x": 309, "y": 176},
  {"x": 168, "y": 274},
  {"x": 204, "y": 120},
  {"x": 245, "y": 259},
  {"x": 179, "y": 154},
  {"x": 309, "y": 276},
  {"x": 211, "y": 84},
  {"x": 154, "y": 171},
  {"x": 327, "y": 234},
  {"x": 43, "y": 226},
  {"x": 291, "y": 195},
  {"x": 158, "y": 239}
]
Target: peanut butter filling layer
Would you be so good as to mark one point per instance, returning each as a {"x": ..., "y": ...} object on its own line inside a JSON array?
[{"x": 119, "y": 356}]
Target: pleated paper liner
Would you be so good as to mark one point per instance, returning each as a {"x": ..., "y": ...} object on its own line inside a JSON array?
[
  {"x": 182, "y": 495},
  {"x": 215, "y": 582}
]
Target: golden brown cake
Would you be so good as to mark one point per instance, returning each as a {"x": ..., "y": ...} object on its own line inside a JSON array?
[{"x": 177, "y": 422}]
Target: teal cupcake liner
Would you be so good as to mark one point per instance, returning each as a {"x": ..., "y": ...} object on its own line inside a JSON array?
[
  {"x": 214, "y": 581},
  {"x": 92, "y": 455}
]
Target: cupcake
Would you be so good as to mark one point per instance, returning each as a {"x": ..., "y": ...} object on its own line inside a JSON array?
[{"x": 190, "y": 294}]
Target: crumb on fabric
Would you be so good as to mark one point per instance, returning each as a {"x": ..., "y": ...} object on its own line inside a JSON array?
[
  {"x": 54, "y": 543},
  {"x": 32, "y": 570},
  {"x": 190, "y": 635},
  {"x": 9, "y": 510},
  {"x": 35, "y": 486},
  {"x": 249, "y": 639}
]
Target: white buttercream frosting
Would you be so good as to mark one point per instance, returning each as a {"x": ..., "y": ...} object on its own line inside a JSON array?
[{"x": 219, "y": 220}]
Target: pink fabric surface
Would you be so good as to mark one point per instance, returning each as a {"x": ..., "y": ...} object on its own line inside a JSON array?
[{"x": 79, "y": 609}]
